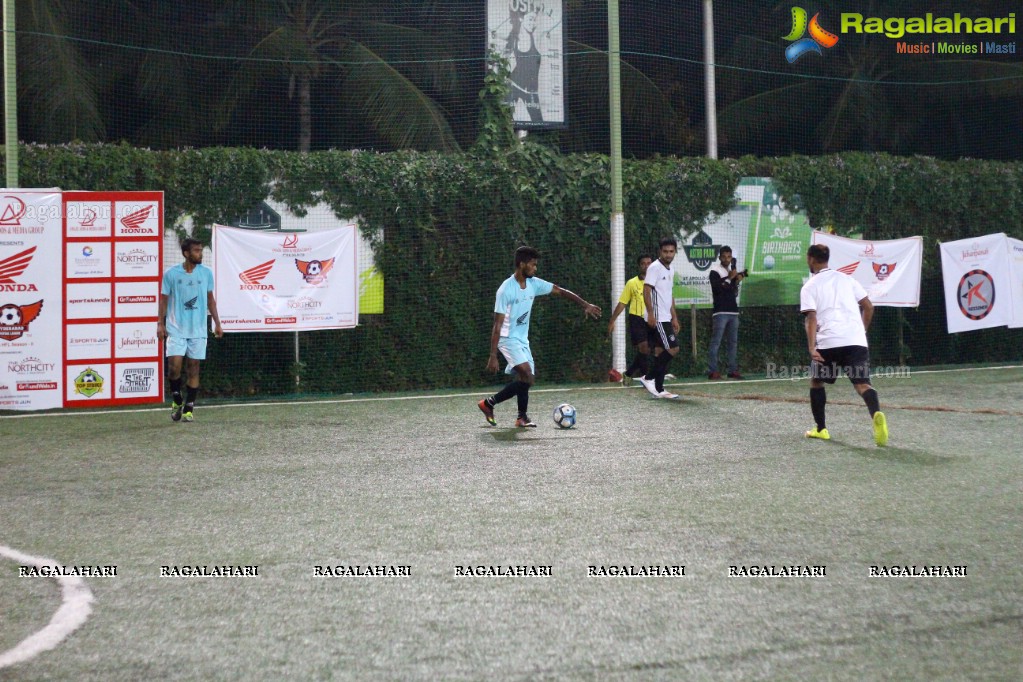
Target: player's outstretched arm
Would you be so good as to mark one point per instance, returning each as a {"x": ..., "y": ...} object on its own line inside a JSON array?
[{"x": 590, "y": 310}]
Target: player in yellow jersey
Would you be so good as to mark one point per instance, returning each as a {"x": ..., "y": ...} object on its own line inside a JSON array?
[{"x": 632, "y": 297}]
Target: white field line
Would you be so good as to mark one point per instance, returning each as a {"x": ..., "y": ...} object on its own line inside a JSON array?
[
  {"x": 76, "y": 598},
  {"x": 475, "y": 394}
]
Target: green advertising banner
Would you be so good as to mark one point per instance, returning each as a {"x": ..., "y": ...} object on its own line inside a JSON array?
[{"x": 766, "y": 237}]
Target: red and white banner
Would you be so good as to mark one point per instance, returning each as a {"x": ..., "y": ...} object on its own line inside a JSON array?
[
  {"x": 889, "y": 270},
  {"x": 274, "y": 281},
  {"x": 978, "y": 290},
  {"x": 113, "y": 250},
  {"x": 31, "y": 300}
]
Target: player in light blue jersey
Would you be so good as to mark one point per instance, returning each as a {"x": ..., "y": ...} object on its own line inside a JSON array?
[
  {"x": 510, "y": 334},
  {"x": 186, "y": 295}
]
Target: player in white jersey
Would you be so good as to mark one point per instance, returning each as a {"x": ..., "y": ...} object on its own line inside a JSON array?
[
  {"x": 838, "y": 314},
  {"x": 186, "y": 294},
  {"x": 661, "y": 317},
  {"x": 510, "y": 334}
]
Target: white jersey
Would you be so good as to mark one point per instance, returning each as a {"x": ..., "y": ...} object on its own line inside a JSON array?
[
  {"x": 835, "y": 297},
  {"x": 661, "y": 279}
]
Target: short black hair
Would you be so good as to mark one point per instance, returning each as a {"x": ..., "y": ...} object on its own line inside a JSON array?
[
  {"x": 188, "y": 243},
  {"x": 819, "y": 253},
  {"x": 667, "y": 241},
  {"x": 723, "y": 249},
  {"x": 640, "y": 259},
  {"x": 524, "y": 254}
]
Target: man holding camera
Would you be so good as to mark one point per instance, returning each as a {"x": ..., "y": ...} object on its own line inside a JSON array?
[{"x": 724, "y": 285}]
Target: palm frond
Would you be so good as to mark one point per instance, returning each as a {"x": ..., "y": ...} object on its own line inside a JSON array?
[{"x": 399, "y": 111}]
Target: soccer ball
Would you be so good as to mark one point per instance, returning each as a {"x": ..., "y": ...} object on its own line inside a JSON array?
[
  {"x": 564, "y": 416},
  {"x": 768, "y": 262},
  {"x": 10, "y": 315}
]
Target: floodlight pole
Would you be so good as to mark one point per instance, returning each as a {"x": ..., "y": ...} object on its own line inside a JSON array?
[
  {"x": 710, "y": 109},
  {"x": 10, "y": 95},
  {"x": 617, "y": 212}
]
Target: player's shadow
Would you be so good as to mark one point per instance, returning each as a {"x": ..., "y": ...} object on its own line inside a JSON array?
[{"x": 898, "y": 455}]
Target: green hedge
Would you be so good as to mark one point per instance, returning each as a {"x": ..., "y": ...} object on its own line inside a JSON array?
[{"x": 458, "y": 218}]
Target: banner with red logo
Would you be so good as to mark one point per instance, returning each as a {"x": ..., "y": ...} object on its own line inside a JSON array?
[
  {"x": 274, "y": 281},
  {"x": 31, "y": 304},
  {"x": 889, "y": 270},
  {"x": 113, "y": 250},
  {"x": 978, "y": 290}
]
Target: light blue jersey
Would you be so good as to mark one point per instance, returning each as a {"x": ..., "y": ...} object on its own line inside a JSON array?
[
  {"x": 516, "y": 304},
  {"x": 186, "y": 309}
]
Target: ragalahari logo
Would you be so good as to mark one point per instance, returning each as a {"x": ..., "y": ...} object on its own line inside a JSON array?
[
  {"x": 314, "y": 271},
  {"x": 252, "y": 279},
  {"x": 817, "y": 39},
  {"x": 882, "y": 270},
  {"x": 849, "y": 269},
  {"x": 132, "y": 222},
  {"x": 14, "y": 319},
  {"x": 13, "y": 211},
  {"x": 14, "y": 266}
]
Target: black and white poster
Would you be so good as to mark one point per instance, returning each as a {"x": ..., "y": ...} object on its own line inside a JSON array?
[{"x": 529, "y": 34}]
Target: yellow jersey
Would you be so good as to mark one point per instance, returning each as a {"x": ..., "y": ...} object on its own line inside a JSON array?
[{"x": 632, "y": 296}]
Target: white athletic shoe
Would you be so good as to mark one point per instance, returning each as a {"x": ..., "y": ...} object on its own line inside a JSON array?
[
  {"x": 667, "y": 395},
  {"x": 669, "y": 376},
  {"x": 650, "y": 385}
]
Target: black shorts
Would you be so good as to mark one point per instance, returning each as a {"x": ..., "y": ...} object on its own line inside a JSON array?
[
  {"x": 663, "y": 336},
  {"x": 639, "y": 332},
  {"x": 853, "y": 361}
]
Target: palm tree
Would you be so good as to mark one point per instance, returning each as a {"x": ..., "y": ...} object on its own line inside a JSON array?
[
  {"x": 57, "y": 92},
  {"x": 338, "y": 51}
]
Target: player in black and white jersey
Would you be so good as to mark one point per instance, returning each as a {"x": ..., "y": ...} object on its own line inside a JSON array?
[
  {"x": 661, "y": 317},
  {"x": 838, "y": 314}
]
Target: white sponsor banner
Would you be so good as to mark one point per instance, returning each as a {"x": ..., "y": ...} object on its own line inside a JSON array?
[
  {"x": 273, "y": 281},
  {"x": 976, "y": 282},
  {"x": 88, "y": 219},
  {"x": 1016, "y": 280},
  {"x": 89, "y": 300},
  {"x": 135, "y": 299},
  {"x": 88, "y": 259},
  {"x": 889, "y": 270},
  {"x": 137, "y": 380},
  {"x": 88, "y": 341},
  {"x": 31, "y": 299},
  {"x": 137, "y": 259},
  {"x": 137, "y": 219},
  {"x": 87, "y": 382},
  {"x": 136, "y": 340},
  {"x": 530, "y": 35}
]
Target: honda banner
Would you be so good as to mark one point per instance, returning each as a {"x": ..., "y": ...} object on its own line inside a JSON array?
[
  {"x": 888, "y": 270},
  {"x": 274, "y": 281},
  {"x": 978, "y": 291},
  {"x": 31, "y": 300}
]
